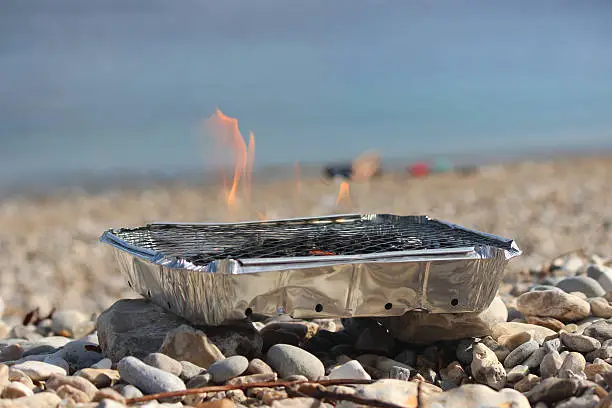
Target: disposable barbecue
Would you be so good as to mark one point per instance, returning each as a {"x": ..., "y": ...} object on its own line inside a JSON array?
[{"x": 333, "y": 266}]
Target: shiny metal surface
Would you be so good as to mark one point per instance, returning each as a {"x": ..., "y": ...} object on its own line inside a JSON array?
[{"x": 439, "y": 267}]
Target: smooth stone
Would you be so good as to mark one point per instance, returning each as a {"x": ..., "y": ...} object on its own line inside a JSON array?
[
  {"x": 500, "y": 351},
  {"x": 600, "y": 307},
  {"x": 189, "y": 344},
  {"x": 398, "y": 373},
  {"x": 584, "y": 401},
  {"x": 581, "y": 283},
  {"x": 486, "y": 368},
  {"x": 297, "y": 402},
  {"x": 200, "y": 380},
  {"x": 18, "y": 375},
  {"x": 69, "y": 322},
  {"x": 477, "y": 395},
  {"x": 16, "y": 389},
  {"x": 247, "y": 379},
  {"x": 604, "y": 276},
  {"x": 573, "y": 364},
  {"x": 579, "y": 342},
  {"x": 104, "y": 364},
  {"x": 80, "y": 354},
  {"x": 517, "y": 373},
  {"x": 149, "y": 379},
  {"x": 56, "y": 381},
  {"x": 540, "y": 288},
  {"x": 228, "y": 368},
  {"x": 512, "y": 341},
  {"x": 258, "y": 366},
  {"x": 521, "y": 353},
  {"x": 601, "y": 331},
  {"x": 549, "y": 322},
  {"x": 55, "y": 359},
  {"x": 538, "y": 333},
  {"x": 553, "y": 344},
  {"x": 351, "y": 370},
  {"x": 393, "y": 391},
  {"x": 288, "y": 360},
  {"x": 108, "y": 394},
  {"x": 551, "y": 363},
  {"x": 130, "y": 391},
  {"x": 69, "y": 392},
  {"x": 553, "y": 303},
  {"x": 527, "y": 383},
  {"x": 100, "y": 377},
  {"x": 40, "y": 400},
  {"x": 420, "y": 327},
  {"x": 38, "y": 350},
  {"x": 552, "y": 389},
  {"x": 163, "y": 362},
  {"x": 189, "y": 370},
  {"x": 380, "y": 363},
  {"x": 535, "y": 359},
  {"x": 599, "y": 366},
  {"x": 4, "y": 375},
  {"x": 11, "y": 352},
  {"x": 38, "y": 370},
  {"x": 454, "y": 373}
]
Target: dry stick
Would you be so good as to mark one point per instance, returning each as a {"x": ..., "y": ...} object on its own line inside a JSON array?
[{"x": 218, "y": 388}]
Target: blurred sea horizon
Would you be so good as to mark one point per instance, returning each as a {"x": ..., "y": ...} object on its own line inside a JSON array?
[{"x": 115, "y": 90}]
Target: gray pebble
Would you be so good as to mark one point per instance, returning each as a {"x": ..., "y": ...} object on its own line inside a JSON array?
[
  {"x": 399, "y": 373},
  {"x": 80, "y": 354},
  {"x": 573, "y": 365},
  {"x": 601, "y": 330},
  {"x": 447, "y": 385},
  {"x": 287, "y": 360},
  {"x": 464, "y": 351},
  {"x": 229, "y": 368},
  {"x": 517, "y": 373},
  {"x": 149, "y": 379},
  {"x": 535, "y": 359},
  {"x": 585, "y": 401},
  {"x": 521, "y": 353},
  {"x": 129, "y": 391},
  {"x": 163, "y": 362},
  {"x": 553, "y": 344},
  {"x": 68, "y": 321},
  {"x": 579, "y": 342},
  {"x": 198, "y": 381},
  {"x": 190, "y": 370},
  {"x": 539, "y": 288},
  {"x": 589, "y": 286},
  {"x": 604, "y": 353},
  {"x": 38, "y": 350},
  {"x": 551, "y": 363}
]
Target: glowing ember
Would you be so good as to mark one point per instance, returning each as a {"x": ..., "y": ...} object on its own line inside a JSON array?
[
  {"x": 225, "y": 130},
  {"x": 344, "y": 195}
]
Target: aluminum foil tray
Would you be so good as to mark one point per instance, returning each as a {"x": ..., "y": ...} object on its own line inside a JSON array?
[{"x": 333, "y": 266}]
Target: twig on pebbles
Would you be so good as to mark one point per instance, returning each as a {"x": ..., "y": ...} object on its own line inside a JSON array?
[
  {"x": 320, "y": 393},
  {"x": 267, "y": 384}
]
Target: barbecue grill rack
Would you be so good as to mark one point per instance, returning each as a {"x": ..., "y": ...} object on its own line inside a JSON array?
[{"x": 340, "y": 266}]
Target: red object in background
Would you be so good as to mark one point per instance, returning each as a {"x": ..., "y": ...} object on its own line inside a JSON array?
[{"x": 419, "y": 169}]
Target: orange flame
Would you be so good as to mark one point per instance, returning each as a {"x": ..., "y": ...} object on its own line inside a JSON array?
[
  {"x": 225, "y": 130},
  {"x": 344, "y": 194}
]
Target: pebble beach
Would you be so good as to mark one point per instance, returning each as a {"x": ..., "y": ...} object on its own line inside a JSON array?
[{"x": 72, "y": 333}]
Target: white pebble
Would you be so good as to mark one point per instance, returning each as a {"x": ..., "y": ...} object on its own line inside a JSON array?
[{"x": 351, "y": 370}]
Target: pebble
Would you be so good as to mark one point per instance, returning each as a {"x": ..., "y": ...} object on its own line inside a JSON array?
[
  {"x": 350, "y": 370},
  {"x": 538, "y": 333},
  {"x": 579, "y": 342},
  {"x": 477, "y": 395},
  {"x": 500, "y": 351},
  {"x": 601, "y": 331},
  {"x": 600, "y": 307},
  {"x": 599, "y": 366},
  {"x": 521, "y": 353},
  {"x": 552, "y": 389},
  {"x": 581, "y": 283},
  {"x": 99, "y": 377},
  {"x": 56, "y": 381},
  {"x": 247, "y": 379},
  {"x": 163, "y": 362},
  {"x": 573, "y": 365},
  {"x": 67, "y": 391},
  {"x": 464, "y": 351},
  {"x": 584, "y": 401},
  {"x": 289, "y": 360},
  {"x": 69, "y": 322},
  {"x": 108, "y": 393},
  {"x": 16, "y": 389},
  {"x": 80, "y": 354},
  {"x": 189, "y": 370},
  {"x": 527, "y": 383},
  {"x": 603, "y": 275},
  {"x": 553, "y": 303},
  {"x": 12, "y": 352},
  {"x": 549, "y": 322},
  {"x": 257, "y": 366},
  {"x": 375, "y": 339},
  {"x": 517, "y": 373},
  {"x": 551, "y": 363},
  {"x": 486, "y": 369},
  {"x": 189, "y": 344},
  {"x": 228, "y": 368},
  {"x": 39, "y": 400},
  {"x": 38, "y": 370},
  {"x": 454, "y": 373},
  {"x": 398, "y": 373},
  {"x": 105, "y": 363},
  {"x": 200, "y": 380},
  {"x": 535, "y": 359},
  {"x": 130, "y": 391},
  {"x": 512, "y": 341},
  {"x": 149, "y": 379}
]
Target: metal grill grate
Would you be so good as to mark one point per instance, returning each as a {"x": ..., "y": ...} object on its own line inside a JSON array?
[{"x": 349, "y": 235}]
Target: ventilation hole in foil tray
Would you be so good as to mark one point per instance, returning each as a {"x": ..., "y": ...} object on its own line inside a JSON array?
[
  {"x": 248, "y": 311},
  {"x": 319, "y": 307},
  {"x": 454, "y": 301},
  {"x": 389, "y": 306}
]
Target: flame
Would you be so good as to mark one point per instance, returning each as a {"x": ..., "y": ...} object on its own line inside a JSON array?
[
  {"x": 225, "y": 130},
  {"x": 343, "y": 194}
]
